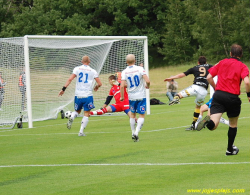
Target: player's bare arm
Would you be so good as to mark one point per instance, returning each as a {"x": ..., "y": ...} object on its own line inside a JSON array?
[
  {"x": 211, "y": 80},
  {"x": 122, "y": 90},
  {"x": 178, "y": 76},
  {"x": 247, "y": 86},
  {"x": 99, "y": 84},
  {"x": 145, "y": 77},
  {"x": 71, "y": 78}
]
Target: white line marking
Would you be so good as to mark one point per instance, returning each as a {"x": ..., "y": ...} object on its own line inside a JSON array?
[
  {"x": 146, "y": 131},
  {"x": 129, "y": 164},
  {"x": 75, "y": 133}
]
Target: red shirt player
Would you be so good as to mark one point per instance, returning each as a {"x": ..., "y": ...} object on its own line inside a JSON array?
[{"x": 118, "y": 106}]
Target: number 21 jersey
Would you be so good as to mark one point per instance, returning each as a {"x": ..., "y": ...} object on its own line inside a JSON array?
[{"x": 85, "y": 77}]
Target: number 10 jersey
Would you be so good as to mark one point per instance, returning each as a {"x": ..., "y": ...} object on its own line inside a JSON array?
[{"x": 135, "y": 82}]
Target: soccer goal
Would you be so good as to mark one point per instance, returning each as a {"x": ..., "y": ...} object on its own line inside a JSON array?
[{"x": 34, "y": 68}]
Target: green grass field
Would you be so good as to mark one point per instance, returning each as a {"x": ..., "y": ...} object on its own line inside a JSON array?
[{"x": 50, "y": 159}]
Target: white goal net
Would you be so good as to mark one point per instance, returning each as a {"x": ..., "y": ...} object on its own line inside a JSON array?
[{"x": 33, "y": 70}]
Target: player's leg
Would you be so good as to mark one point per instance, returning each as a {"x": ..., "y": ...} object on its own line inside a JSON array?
[
  {"x": 189, "y": 91},
  {"x": 140, "y": 109},
  {"x": 140, "y": 122},
  {"x": 233, "y": 112},
  {"x": 203, "y": 109},
  {"x": 232, "y": 132},
  {"x": 132, "y": 122},
  {"x": 224, "y": 121},
  {"x": 74, "y": 114},
  {"x": 87, "y": 106},
  {"x": 195, "y": 118},
  {"x": 217, "y": 109},
  {"x": 176, "y": 99},
  {"x": 84, "y": 123},
  {"x": 200, "y": 93},
  {"x": 78, "y": 109},
  {"x": 102, "y": 111}
]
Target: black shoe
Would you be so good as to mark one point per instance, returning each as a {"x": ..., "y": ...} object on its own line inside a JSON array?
[
  {"x": 133, "y": 136},
  {"x": 203, "y": 123},
  {"x": 191, "y": 128},
  {"x": 234, "y": 152},
  {"x": 136, "y": 138}
]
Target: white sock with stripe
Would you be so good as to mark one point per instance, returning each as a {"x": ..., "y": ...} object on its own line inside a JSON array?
[
  {"x": 140, "y": 122},
  {"x": 132, "y": 125},
  {"x": 84, "y": 123}
]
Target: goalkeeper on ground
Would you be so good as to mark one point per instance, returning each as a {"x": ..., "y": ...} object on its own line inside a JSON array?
[{"x": 118, "y": 106}]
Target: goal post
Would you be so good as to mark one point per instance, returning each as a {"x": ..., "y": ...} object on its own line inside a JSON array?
[{"x": 49, "y": 60}]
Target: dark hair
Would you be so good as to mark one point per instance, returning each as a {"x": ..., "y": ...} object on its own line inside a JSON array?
[
  {"x": 202, "y": 60},
  {"x": 236, "y": 50},
  {"x": 112, "y": 77}
]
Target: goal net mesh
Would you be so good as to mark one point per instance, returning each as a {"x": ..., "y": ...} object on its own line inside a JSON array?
[{"x": 51, "y": 62}]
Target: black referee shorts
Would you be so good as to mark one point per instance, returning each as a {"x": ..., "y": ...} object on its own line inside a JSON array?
[{"x": 226, "y": 102}]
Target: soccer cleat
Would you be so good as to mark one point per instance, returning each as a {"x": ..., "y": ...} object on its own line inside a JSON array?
[
  {"x": 191, "y": 128},
  {"x": 69, "y": 123},
  {"x": 133, "y": 136},
  {"x": 234, "y": 152},
  {"x": 176, "y": 100},
  {"x": 203, "y": 123},
  {"x": 81, "y": 134},
  {"x": 136, "y": 139}
]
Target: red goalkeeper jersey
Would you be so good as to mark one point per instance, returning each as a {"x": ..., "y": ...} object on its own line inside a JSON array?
[{"x": 115, "y": 92}]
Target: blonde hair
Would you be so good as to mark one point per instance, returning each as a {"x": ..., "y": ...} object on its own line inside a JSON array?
[
  {"x": 85, "y": 59},
  {"x": 130, "y": 59}
]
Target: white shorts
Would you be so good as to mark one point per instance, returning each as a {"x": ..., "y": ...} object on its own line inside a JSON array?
[{"x": 195, "y": 90}]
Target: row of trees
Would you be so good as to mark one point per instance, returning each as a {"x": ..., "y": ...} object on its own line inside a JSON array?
[{"x": 178, "y": 30}]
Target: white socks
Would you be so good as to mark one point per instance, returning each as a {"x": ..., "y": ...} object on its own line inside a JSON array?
[
  {"x": 132, "y": 125},
  {"x": 224, "y": 121},
  {"x": 140, "y": 122},
  {"x": 198, "y": 120},
  {"x": 74, "y": 115},
  {"x": 85, "y": 121}
]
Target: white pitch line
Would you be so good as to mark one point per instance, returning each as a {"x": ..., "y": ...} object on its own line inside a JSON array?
[
  {"x": 154, "y": 130},
  {"x": 75, "y": 133},
  {"x": 129, "y": 164}
]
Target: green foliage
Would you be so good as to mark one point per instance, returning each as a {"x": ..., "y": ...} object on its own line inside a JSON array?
[
  {"x": 177, "y": 47},
  {"x": 180, "y": 31}
]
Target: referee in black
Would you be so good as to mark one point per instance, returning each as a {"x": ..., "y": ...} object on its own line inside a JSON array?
[{"x": 230, "y": 71}]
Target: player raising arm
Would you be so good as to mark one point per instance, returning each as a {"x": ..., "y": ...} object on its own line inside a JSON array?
[
  {"x": 135, "y": 77},
  {"x": 83, "y": 92},
  {"x": 198, "y": 89}
]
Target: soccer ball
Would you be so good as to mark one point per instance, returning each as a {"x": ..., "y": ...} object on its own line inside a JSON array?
[{"x": 68, "y": 114}]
